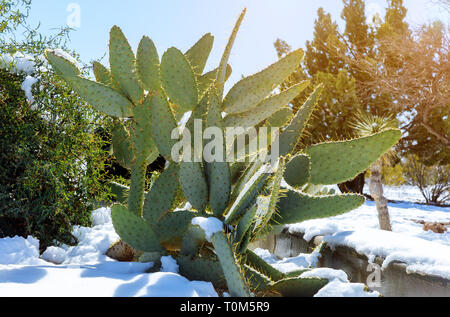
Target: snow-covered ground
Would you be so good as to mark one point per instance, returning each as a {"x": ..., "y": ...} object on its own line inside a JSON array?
[
  {"x": 85, "y": 270},
  {"x": 424, "y": 252},
  {"x": 405, "y": 193}
]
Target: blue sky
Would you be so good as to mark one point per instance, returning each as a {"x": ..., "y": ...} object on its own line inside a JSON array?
[{"x": 181, "y": 23}]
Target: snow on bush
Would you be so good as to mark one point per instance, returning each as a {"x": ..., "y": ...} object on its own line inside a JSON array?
[
  {"x": 21, "y": 64},
  {"x": 18, "y": 63}
]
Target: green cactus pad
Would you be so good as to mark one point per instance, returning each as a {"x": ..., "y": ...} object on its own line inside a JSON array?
[
  {"x": 268, "y": 209},
  {"x": 123, "y": 65},
  {"x": 247, "y": 196},
  {"x": 200, "y": 113},
  {"x": 280, "y": 118},
  {"x": 237, "y": 170},
  {"x": 198, "y": 54},
  {"x": 102, "y": 98},
  {"x": 134, "y": 230},
  {"x": 178, "y": 79},
  {"x": 352, "y": 157},
  {"x": 245, "y": 223},
  {"x": 121, "y": 144},
  {"x": 296, "y": 273},
  {"x": 160, "y": 199},
  {"x": 256, "y": 280},
  {"x": 296, "y": 207},
  {"x": 102, "y": 74},
  {"x": 235, "y": 278},
  {"x": 62, "y": 66},
  {"x": 218, "y": 173},
  {"x": 137, "y": 188},
  {"x": 245, "y": 176},
  {"x": 144, "y": 146},
  {"x": 172, "y": 227},
  {"x": 221, "y": 73},
  {"x": 254, "y": 261},
  {"x": 162, "y": 131},
  {"x": 205, "y": 81},
  {"x": 250, "y": 91},
  {"x": 298, "y": 170},
  {"x": 147, "y": 65},
  {"x": 292, "y": 134},
  {"x": 194, "y": 185},
  {"x": 246, "y": 240},
  {"x": 265, "y": 109},
  {"x": 193, "y": 241},
  {"x": 299, "y": 287},
  {"x": 119, "y": 191},
  {"x": 202, "y": 269},
  {"x": 147, "y": 257}
]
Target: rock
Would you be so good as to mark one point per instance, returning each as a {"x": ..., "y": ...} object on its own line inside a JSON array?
[
  {"x": 436, "y": 227},
  {"x": 121, "y": 252}
]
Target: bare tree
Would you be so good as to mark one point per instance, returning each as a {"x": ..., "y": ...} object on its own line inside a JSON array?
[
  {"x": 445, "y": 4},
  {"x": 432, "y": 181},
  {"x": 414, "y": 70}
]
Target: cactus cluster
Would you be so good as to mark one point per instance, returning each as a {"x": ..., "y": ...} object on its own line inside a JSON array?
[{"x": 148, "y": 97}]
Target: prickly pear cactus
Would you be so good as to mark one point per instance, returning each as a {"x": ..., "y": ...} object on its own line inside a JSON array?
[{"x": 244, "y": 199}]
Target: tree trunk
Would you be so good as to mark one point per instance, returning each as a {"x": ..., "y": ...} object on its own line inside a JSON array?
[{"x": 376, "y": 191}]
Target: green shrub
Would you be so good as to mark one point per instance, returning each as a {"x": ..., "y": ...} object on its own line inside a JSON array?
[
  {"x": 393, "y": 175},
  {"x": 51, "y": 161}
]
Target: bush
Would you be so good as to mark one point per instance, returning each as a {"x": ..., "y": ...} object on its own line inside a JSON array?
[
  {"x": 433, "y": 181},
  {"x": 393, "y": 175},
  {"x": 51, "y": 161}
]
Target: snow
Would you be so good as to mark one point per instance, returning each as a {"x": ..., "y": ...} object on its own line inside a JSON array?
[
  {"x": 27, "y": 86},
  {"x": 337, "y": 288},
  {"x": 405, "y": 193},
  {"x": 424, "y": 252},
  {"x": 18, "y": 63},
  {"x": 67, "y": 56},
  {"x": 421, "y": 256},
  {"x": 86, "y": 271},
  {"x": 21, "y": 64},
  {"x": 287, "y": 265},
  {"x": 54, "y": 255},
  {"x": 168, "y": 264},
  {"x": 327, "y": 273},
  {"x": 101, "y": 216},
  {"x": 339, "y": 285},
  {"x": 18, "y": 250},
  {"x": 209, "y": 225},
  {"x": 96, "y": 281}
]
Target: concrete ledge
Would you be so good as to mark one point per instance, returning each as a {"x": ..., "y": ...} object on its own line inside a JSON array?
[{"x": 395, "y": 281}]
